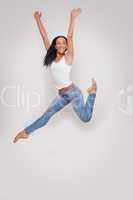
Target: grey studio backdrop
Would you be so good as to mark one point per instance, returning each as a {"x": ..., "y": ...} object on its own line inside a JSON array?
[{"x": 67, "y": 159}]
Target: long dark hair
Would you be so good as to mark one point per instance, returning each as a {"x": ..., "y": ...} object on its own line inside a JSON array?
[{"x": 51, "y": 52}]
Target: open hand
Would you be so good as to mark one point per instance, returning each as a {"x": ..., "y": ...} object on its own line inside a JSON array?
[
  {"x": 75, "y": 12},
  {"x": 37, "y": 14}
]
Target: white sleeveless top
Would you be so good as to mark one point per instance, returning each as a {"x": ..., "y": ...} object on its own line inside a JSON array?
[{"x": 60, "y": 73}]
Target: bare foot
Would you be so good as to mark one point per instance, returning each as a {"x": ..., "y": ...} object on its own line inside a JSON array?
[
  {"x": 93, "y": 88},
  {"x": 20, "y": 135}
]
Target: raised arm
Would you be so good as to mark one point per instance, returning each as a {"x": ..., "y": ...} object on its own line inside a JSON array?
[
  {"x": 42, "y": 30},
  {"x": 73, "y": 15}
]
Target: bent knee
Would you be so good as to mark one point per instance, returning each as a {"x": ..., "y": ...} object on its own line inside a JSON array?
[{"x": 87, "y": 119}]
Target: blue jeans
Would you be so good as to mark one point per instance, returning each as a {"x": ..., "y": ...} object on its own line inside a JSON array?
[{"x": 73, "y": 95}]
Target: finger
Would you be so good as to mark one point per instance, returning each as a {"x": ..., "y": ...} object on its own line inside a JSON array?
[
  {"x": 15, "y": 139},
  {"x": 79, "y": 9}
]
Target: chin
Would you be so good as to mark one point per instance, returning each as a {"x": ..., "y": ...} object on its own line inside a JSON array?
[{"x": 62, "y": 52}]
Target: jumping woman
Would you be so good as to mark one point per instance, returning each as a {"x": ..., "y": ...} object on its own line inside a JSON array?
[{"x": 59, "y": 59}]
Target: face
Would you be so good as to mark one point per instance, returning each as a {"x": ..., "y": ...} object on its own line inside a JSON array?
[{"x": 61, "y": 45}]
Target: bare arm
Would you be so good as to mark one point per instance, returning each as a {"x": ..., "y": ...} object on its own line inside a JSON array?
[
  {"x": 74, "y": 14},
  {"x": 71, "y": 26},
  {"x": 42, "y": 29}
]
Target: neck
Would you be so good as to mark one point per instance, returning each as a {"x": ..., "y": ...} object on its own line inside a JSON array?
[{"x": 58, "y": 54}]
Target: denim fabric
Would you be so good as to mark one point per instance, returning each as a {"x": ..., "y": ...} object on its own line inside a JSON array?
[{"x": 73, "y": 96}]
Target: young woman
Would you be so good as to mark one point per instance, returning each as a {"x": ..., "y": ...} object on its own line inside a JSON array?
[{"x": 59, "y": 59}]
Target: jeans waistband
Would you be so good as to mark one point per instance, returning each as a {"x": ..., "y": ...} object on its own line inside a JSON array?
[{"x": 62, "y": 90}]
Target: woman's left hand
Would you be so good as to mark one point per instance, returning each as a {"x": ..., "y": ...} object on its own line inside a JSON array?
[{"x": 75, "y": 12}]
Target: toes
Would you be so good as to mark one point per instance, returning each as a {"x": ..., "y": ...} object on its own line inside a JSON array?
[
  {"x": 19, "y": 136},
  {"x": 94, "y": 83},
  {"x": 15, "y": 140},
  {"x": 93, "y": 80}
]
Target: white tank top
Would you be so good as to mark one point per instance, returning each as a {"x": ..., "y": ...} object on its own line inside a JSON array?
[{"x": 60, "y": 73}]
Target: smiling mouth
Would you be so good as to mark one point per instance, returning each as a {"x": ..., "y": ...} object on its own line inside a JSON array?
[{"x": 61, "y": 49}]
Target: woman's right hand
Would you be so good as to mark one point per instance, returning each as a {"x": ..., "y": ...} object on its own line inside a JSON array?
[{"x": 37, "y": 15}]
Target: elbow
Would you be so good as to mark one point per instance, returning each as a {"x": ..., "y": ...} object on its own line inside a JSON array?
[{"x": 70, "y": 36}]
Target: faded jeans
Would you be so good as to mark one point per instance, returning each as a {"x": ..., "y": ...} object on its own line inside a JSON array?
[{"x": 75, "y": 97}]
